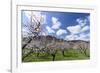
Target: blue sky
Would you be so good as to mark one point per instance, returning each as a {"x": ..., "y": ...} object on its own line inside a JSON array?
[{"x": 65, "y": 25}]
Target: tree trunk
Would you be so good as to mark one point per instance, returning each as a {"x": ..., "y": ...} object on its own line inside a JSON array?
[
  {"x": 37, "y": 54},
  {"x": 53, "y": 59},
  {"x": 63, "y": 53},
  {"x": 30, "y": 39}
]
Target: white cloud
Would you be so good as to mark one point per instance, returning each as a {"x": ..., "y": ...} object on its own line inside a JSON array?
[
  {"x": 56, "y": 24},
  {"x": 60, "y": 32},
  {"x": 83, "y": 21},
  {"x": 50, "y": 30},
  {"x": 81, "y": 36},
  {"x": 84, "y": 36},
  {"x": 88, "y": 18},
  {"x": 54, "y": 20},
  {"x": 71, "y": 37},
  {"x": 78, "y": 32},
  {"x": 74, "y": 29},
  {"x": 85, "y": 28},
  {"x": 80, "y": 21}
]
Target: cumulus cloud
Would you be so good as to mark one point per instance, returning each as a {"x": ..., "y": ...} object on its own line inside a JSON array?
[
  {"x": 83, "y": 21},
  {"x": 61, "y": 32},
  {"x": 88, "y": 18},
  {"x": 49, "y": 29},
  {"x": 78, "y": 32},
  {"x": 85, "y": 28},
  {"x": 55, "y": 23},
  {"x": 74, "y": 29},
  {"x": 71, "y": 37},
  {"x": 54, "y": 20},
  {"x": 84, "y": 36}
]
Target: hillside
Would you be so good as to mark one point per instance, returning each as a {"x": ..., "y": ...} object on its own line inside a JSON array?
[{"x": 50, "y": 40}]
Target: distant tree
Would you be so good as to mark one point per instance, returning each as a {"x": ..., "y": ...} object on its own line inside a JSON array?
[
  {"x": 63, "y": 46},
  {"x": 52, "y": 51},
  {"x": 83, "y": 47}
]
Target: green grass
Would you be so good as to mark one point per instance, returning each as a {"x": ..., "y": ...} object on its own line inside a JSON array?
[{"x": 70, "y": 54}]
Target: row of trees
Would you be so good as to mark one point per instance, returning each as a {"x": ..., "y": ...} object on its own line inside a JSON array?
[{"x": 53, "y": 48}]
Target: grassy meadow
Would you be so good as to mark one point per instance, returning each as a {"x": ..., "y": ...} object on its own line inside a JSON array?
[{"x": 69, "y": 54}]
